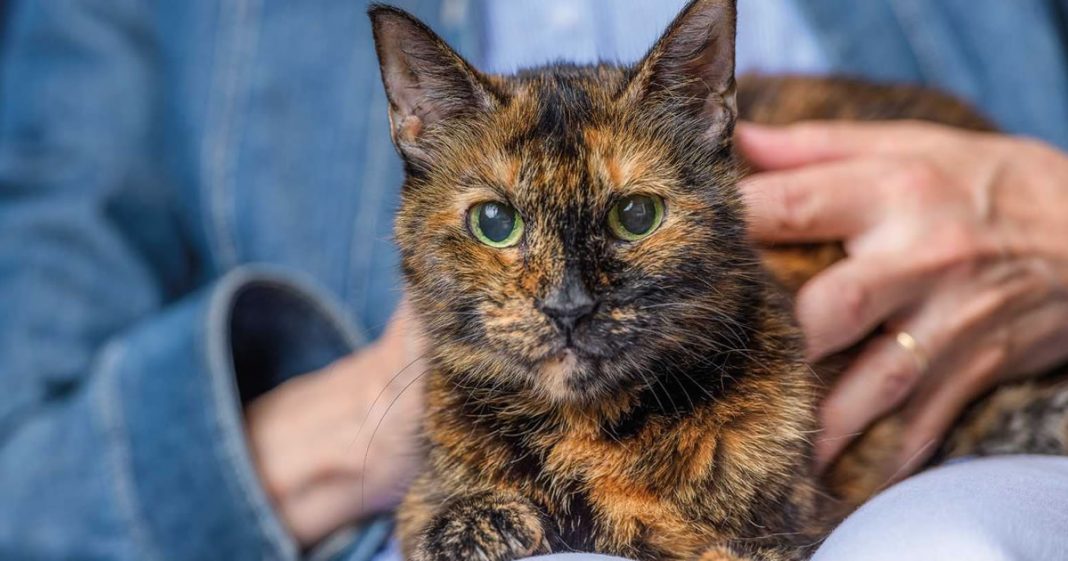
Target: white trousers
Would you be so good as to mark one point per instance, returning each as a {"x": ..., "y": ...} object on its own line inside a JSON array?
[{"x": 1011, "y": 508}]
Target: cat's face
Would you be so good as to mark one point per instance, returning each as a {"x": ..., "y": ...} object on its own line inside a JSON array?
[{"x": 567, "y": 229}]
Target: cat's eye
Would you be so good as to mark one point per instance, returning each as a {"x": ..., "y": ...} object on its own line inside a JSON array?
[
  {"x": 636, "y": 216},
  {"x": 495, "y": 224}
]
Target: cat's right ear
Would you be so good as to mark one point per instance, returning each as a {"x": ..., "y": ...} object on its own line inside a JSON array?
[
  {"x": 428, "y": 84},
  {"x": 690, "y": 70}
]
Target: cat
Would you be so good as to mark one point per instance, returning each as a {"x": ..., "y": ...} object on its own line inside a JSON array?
[{"x": 614, "y": 365}]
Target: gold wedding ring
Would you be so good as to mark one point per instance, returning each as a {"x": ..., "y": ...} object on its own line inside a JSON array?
[{"x": 909, "y": 343}]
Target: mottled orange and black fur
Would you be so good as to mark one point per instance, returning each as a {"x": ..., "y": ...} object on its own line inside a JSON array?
[{"x": 673, "y": 419}]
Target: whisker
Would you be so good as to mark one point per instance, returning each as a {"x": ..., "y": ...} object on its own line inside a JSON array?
[
  {"x": 367, "y": 449},
  {"x": 382, "y": 392}
]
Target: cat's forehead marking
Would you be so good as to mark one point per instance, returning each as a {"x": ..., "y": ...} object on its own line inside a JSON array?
[
  {"x": 615, "y": 158},
  {"x": 629, "y": 163},
  {"x": 548, "y": 110},
  {"x": 503, "y": 168}
]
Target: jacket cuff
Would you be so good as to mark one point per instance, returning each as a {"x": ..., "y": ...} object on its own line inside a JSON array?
[{"x": 180, "y": 384}]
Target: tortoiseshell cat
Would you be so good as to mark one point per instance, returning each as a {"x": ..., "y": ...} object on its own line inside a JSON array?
[{"x": 613, "y": 368}]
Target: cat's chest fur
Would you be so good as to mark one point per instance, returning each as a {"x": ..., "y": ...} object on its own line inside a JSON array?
[{"x": 630, "y": 484}]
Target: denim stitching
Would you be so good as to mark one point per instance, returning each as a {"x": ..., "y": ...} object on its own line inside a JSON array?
[
  {"x": 233, "y": 59},
  {"x": 913, "y": 19},
  {"x": 232, "y": 450},
  {"x": 113, "y": 419}
]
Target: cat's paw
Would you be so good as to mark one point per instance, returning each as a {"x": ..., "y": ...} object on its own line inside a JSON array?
[{"x": 485, "y": 528}]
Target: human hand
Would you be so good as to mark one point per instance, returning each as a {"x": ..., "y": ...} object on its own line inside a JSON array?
[
  {"x": 958, "y": 239},
  {"x": 312, "y": 436}
]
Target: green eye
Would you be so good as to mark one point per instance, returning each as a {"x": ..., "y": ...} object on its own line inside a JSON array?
[
  {"x": 495, "y": 224},
  {"x": 636, "y": 216}
]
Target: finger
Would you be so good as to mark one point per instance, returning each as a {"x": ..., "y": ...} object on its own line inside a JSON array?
[
  {"x": 843, "y": 304},
  {"x": 878, "y": 381},
  {"x": 885, "y": 375},
  {"x": 959, "y": 319},
  {"x": 1044, "y": 332},
  {"x": 934, "y": 410},
  {"x": 890, "y": 368},
  {"x": 822, "y": 202},
  {"x": 952, "y": 319},
  {"x": 777, "y": 148}
]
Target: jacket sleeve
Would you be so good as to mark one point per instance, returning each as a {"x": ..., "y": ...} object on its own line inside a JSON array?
[{"x": 121, "y": 432}]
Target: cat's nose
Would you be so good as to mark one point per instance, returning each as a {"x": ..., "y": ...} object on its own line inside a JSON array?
[{"x": 569, "y": 303}]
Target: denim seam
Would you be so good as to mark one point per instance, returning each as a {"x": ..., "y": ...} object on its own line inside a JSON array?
[
  {"x": 232, "y": 61},
  {"x": 113, "y": 420},
  {"x": 913, "y": 22},
  {"x": 233, "y": 449}
]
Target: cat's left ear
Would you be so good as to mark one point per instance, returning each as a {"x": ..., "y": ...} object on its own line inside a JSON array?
[
  {"x": 691, "y": 68},
  {"x": 428, "y": 84}
]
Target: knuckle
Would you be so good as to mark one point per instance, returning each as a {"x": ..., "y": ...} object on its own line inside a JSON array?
[
  {"x": 795, "y": 209},
  {"x": 276, "y": 489},
  {"x": 897, "y": 381},
  {"x": 915, "y": 176},
  {"x": 955, "y": 246},
  {"x": 856, "y": 302}
]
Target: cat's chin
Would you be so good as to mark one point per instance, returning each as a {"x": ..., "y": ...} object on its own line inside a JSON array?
[{"x": 557, "y": 372}]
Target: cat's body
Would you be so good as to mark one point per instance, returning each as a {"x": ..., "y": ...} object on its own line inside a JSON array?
[{"x": 641, "y": 394}]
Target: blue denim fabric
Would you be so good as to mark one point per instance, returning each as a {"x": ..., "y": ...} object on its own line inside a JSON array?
[
  {"x": 195, "y": 204},
  {"x": 1008, "y": 58},
  {"x": 773, "y": 35}
]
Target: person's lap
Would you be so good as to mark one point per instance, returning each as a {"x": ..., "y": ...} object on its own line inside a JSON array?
[
  {"x": 1012, "y": 508},
  {"x": 992, "y": 509}
]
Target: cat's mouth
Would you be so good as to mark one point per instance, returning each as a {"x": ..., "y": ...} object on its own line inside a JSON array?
[
  {"x": 557, "y": 370},
  {"x": 570, "y": 344}
]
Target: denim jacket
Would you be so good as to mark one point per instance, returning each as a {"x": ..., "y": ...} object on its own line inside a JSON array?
[{"x": 195, "y": 205}]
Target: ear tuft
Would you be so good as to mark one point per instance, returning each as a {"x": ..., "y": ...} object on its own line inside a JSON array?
[
  {"x": 691, "y": 67},
  {"x": 428, "y": 84}
]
